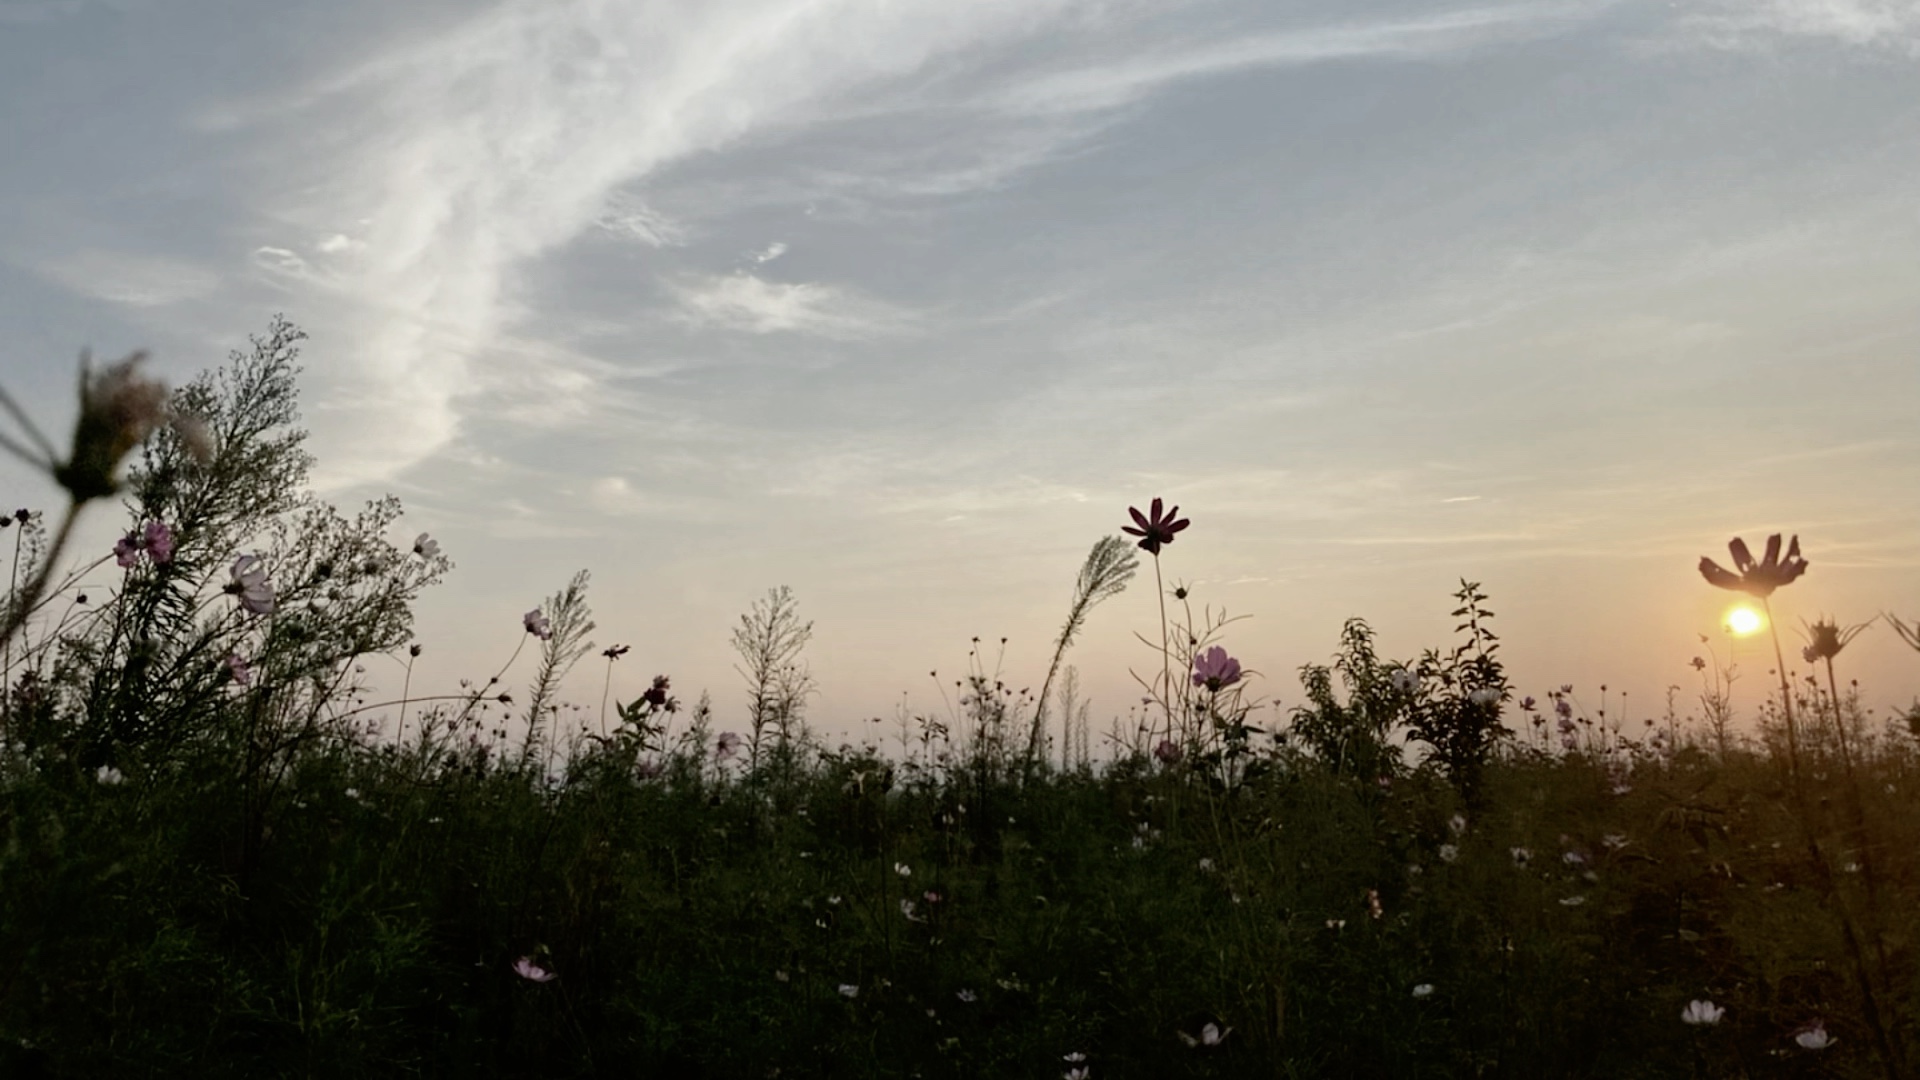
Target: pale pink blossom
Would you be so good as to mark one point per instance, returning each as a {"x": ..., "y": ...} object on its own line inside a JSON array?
[
  {"x": 251, "y": 586},
  {"x": 532, "y": 972}
]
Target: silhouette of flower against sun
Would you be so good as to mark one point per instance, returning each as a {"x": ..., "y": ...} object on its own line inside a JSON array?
[
  {"x": 1155, "y": 529},
  {"x": 1756, "y": 579}
]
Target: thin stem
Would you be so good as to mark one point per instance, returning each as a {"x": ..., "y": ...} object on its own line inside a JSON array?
[
  {"x": 406, "y": 689},
  {"x": 26, "y": 425},
  {"x": 604, "y": 691},
  {"x": 1786, "y": 692},
  {"x": 1166, "y": 657},
  {"x": 6, "y": 664},
  {"x": 29, "y": 600}
]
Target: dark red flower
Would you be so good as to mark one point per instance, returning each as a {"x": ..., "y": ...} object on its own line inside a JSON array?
[
  {"x": 1155, "y": 528},
  {"x": 1756, "y": 579}
]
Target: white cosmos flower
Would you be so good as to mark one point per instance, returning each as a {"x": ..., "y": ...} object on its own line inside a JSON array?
[
  {"x": 1814, "y": 1036},
  {"x": 1702, "y": 1013}
]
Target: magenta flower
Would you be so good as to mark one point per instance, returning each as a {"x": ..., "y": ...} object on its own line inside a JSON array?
[
  {"x": 537, "y": 624},
  {"x": 158, "y": 540},
  {"x": 1756, "y": 579},
  {"x": 251, "y": 586},
  {"x": 1215, "y": 669},
  {"x": 155, "y": 539},
  {"x": 532, "y": 972},
  {"x": 1155, "y": 528}
]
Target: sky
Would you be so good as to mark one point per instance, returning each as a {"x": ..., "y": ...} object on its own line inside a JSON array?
[{"x": 903, "y": 304}]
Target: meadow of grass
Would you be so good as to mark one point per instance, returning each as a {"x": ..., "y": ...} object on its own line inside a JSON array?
[{"x": 219, "y": 858}]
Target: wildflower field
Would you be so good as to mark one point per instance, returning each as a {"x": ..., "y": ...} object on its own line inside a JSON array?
[{"x": 220, "y": 857}]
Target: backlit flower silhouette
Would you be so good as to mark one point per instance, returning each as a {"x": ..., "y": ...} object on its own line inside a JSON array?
[
  {"x": 537, "y": 624},
  {"x": 1215, "y": 669},
  {"x": 1155, "y": 528},
  {"x": 426, "y": 546},
  {"x": 1756, "y": 579},
  {"x": 1825, "y": 639}
]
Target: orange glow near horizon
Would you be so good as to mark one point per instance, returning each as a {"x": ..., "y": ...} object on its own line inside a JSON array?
[{"x": 1744, "y": 621}]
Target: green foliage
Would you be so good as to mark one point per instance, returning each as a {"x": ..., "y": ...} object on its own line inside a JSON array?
[{"x": 1351, "y": 739}]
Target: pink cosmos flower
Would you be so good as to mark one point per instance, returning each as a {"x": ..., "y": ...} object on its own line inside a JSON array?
[
  {"x": 1215, "y": 669},
  {"x": 727, "y": 745},
  {"x": 426, "y": 546},
  {"x": 238, "y": 667},
  {"x": 126, "y": 551},
  {"x": 537, "y": 624},
  {"x": 251, "y": 586},
  {"x": 158, "y": 540},
  {"x": 532, "y": 972},
  {"x": 1167, "y": 752}
]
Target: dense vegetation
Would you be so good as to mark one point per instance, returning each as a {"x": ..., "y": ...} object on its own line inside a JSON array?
[{"x": 218, "y": 858}]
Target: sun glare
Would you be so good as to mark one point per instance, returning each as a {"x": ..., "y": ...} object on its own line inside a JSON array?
[{"x": 1743, "y": 621}]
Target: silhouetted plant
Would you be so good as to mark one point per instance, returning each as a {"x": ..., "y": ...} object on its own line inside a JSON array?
[
  {"x": 1352, "y": 739},
  {"x": 1456, "y": 708},
  {"x": 1105, "y": 573}
]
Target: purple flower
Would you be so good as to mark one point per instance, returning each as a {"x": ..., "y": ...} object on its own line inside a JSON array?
[
  {"x": 1215, "y": 669},
  {"x": 532, "y": 972},
  {"x": 537, "y": 624},
  {"x": 239, "y": 669},
  {"x": 251, "y": 586},
  {"x": 1756, "y": 579},
  {"x": 1155, "y": 528},
  {"x": 126, "y": 551},
  {"x": 426, "y": 546},
  {"x": 1167, "y": 752},
  {"x": 158, "y": 540}
]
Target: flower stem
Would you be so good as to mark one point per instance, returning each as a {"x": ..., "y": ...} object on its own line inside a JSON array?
[{"x": 1166, "y": 653}]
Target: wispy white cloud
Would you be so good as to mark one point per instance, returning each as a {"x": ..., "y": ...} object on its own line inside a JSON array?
[
  {"x": 1892, "y": 25},
  {"x": 749, "y": 304},
  {"x": 137, "y": 280},
  {"x": 498, "y": 141},
  {"x": 1115, "y": 84},
  {"x": 628, "y": 217}
]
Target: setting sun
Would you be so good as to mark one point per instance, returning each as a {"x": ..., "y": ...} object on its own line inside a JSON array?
[{"x": 1744, "y": 620}]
